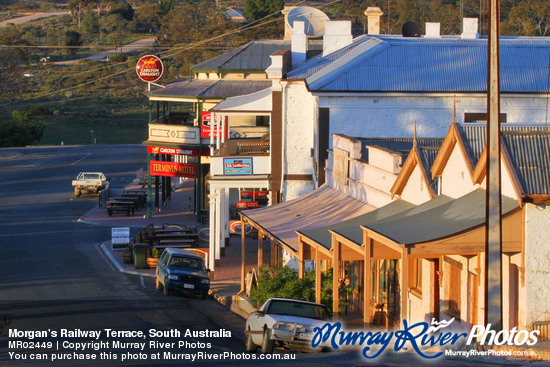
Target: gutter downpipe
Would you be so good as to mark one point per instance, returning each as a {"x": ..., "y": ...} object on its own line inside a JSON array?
[{"x": 283, "y": 142}]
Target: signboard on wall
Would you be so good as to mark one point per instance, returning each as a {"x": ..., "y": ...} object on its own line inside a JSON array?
[
  {"x": 206, "y": 122},
  {"x": 167, "y": 150},
  {"x": 246, "y": 204},
  {"x": 173, "y": 169},
  {"x": 237, "y": 166},
  {"x": 253, "y": 194}
]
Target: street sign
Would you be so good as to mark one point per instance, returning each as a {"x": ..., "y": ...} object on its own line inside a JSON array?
[
  {"x": 120, "y": 237},
  {"x": 149, "y": 68}
]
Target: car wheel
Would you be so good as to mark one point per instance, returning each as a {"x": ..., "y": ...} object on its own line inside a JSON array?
[
  {"x": 267, "y": 343},
  {"x": 77, "y": 192},
  {"x": 250, "y": 346},
  {"x": 158, "y": 284},
  {"x": 165, "y": 290},
  {"x": 204, "y": 295}
]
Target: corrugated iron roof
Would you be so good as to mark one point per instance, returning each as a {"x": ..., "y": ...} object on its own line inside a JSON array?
[
  {"x": 530, "y": 155},
  {"x": 252, "y": 56},
  {"x": 445, "y": 217},
  {"x": 214, "y": 89},
  {"x": 397, "y": 145},
  {"x": 428, "y": 65},
  {"x": 475, "y": 135}
]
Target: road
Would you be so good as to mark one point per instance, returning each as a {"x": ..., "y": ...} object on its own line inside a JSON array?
[
  {"x": 54, "y": 277},
  {"x": 31, "y": 17}
]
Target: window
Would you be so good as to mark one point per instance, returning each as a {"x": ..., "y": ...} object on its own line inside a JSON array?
[
  {"x": 480, "y": 117},
  {"x": 415, "y": 276}
]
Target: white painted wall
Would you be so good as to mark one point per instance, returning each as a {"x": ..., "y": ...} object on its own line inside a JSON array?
[
  {"x": 386, "y": 115},
  {"x": 420, "y": 308},
  {"x": 416, "y": 191},
  {"x": 455, "y": 178},
  {"x": 300, "y": 118},
  {"x": 535, "y": 297}
]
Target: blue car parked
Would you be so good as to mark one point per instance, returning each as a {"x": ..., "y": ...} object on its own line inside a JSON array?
[{"x": 182, "y": 270}]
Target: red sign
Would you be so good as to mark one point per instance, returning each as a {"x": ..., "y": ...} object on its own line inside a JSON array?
[
  {"x": 246, "y": 204},
  {"x": 253, "y": 194},
  {"x": 149, "y": 68},
  {"x": 206, "y": 122},
  {"x": 166, "y": 150},
  {"x": 173, "y": 169}
]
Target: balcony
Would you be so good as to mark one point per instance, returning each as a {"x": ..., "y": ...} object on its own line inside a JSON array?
[
  {"x": 254, "y": 151},
  {"x": 176, "y": 128}
]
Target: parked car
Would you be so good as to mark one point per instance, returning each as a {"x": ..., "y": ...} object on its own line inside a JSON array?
[
  {"x": 284, "y": 322},
  {"x": 182, "y": 270},
  {"x": 89, "y": 182}
]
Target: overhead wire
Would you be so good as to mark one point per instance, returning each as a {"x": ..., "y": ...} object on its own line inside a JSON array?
[{"x": 166, "y": 54}]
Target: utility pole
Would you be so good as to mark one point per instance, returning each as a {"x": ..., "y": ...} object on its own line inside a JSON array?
[{"x": 493, "y": 245}]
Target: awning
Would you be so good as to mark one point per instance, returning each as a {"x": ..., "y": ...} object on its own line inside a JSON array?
[
  {"x": 351, "y": 229},
  {"x": 258, "y": 103},
  {"x": 321, "y": 207},
  {"x": 207, "y": 89},
  {"x": 438, "y": 218}
]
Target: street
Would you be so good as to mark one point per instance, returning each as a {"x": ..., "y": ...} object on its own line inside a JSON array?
[
  {"x": 55, "y": 280},
  {"x": 53, "y": 274}
]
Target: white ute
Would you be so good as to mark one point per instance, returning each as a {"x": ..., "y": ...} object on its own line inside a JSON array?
[{"x": 90, "y": 183}]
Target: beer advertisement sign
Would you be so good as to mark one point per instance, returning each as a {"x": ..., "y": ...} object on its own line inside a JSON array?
[{"x": 149, "y": 68}]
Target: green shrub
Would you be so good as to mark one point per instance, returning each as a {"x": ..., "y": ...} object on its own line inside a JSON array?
[
  {"x": 284, "y": 283},
  {"x": 121, "y": 57}
]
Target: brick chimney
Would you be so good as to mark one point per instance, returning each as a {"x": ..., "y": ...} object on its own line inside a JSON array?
[{"x": 373, "y": 14}]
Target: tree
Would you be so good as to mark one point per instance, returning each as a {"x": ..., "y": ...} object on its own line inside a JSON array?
[
  {"x": 21, "y": 130},
  {"x": 80, "y": 8},
  {"x": 257, "y": 9},
  {"x": 72, "y": 39}
]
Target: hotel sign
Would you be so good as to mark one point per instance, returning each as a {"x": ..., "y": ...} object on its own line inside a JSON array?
[
  {"x": 206, "y": 123},
  {"x": 237, "y": 166},
  {"x": 166, "y": 150},
  {"x": 173, "y": 169}
]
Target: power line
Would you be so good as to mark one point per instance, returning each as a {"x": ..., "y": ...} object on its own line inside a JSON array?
[{"x": 166, "y": 54}]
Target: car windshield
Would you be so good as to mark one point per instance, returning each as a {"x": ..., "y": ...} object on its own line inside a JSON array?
[
  {"x": 91, "y": 176},
  {"x": 182, "y": 262},
  {"x": 298, "y": 309}
]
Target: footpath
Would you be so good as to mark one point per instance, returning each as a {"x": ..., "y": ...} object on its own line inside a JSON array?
[{"x": 224, "y": 286}]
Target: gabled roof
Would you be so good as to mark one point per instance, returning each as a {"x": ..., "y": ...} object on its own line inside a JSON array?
[
  {"x": 213, "y": 89},
  {"x": 447, "y": 65},
  {"x": 419, "y": 157},
  {"x": 452, "y": 138}
]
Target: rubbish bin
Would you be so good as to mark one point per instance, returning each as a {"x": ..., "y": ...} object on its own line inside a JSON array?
[{"x": 140, "y": 255}]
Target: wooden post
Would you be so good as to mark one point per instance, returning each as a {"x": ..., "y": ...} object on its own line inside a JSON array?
[
  {"x": 243, "y": 255},
  {"x": 367, "y": 281},
  {"x": 301, "y": 260},
  {"x": 273, "y": 253},
  {"x": 260, "y": 249},
  {"x": 404, "y": 280},
  {"x": 335, "y": 278},
  {"x": 493, "y": 233},
  {"x": 317, "y": 276}
]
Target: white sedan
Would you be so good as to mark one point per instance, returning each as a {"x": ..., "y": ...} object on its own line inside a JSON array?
[{"x": 286, "y": 322}]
